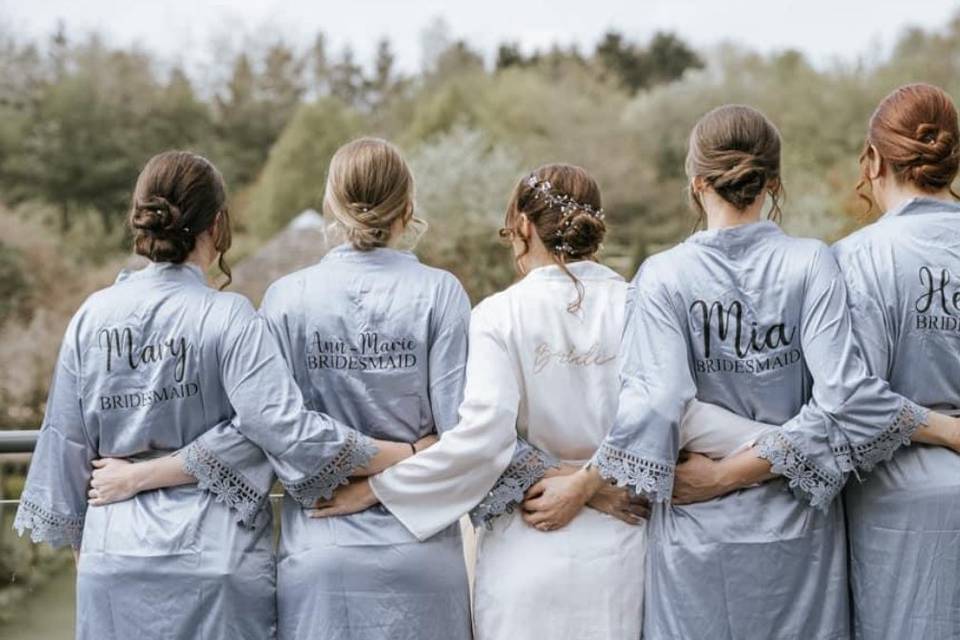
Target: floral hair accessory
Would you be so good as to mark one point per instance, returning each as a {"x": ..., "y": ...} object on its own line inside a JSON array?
[{"x": 543, "y": 190}]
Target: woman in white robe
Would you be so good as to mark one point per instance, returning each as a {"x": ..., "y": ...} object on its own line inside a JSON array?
[{"x": 543, "y": 365}]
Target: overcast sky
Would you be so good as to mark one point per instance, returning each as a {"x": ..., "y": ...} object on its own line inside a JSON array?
[{"x": 184, "y": 30}]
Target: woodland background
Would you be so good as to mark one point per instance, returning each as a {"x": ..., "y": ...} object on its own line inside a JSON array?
[{"x": 79, "y": 117}]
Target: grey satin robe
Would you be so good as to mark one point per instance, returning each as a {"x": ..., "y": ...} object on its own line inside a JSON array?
[
  {"x": 903, "y": 273},
  {"x": 755, "y": 321},
  {"x": 146, "y": 367},
  {"x": 378, "y": 340}
]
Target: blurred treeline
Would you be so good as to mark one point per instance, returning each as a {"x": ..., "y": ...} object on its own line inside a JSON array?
[{"x": 79, "y": 117}]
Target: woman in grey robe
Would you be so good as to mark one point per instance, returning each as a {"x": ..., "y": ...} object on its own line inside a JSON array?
[
  {"x": 903, "y": 275},
  {"x": 375, "y": 339},
  {"x": 147, "y": 366},
  {"x": 746, "y": 317}
]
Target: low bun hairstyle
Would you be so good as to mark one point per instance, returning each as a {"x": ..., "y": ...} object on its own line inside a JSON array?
[
  {"x": 178, "y": 196},
  {"x": 735, "y": 149},
  {"x": 564, "y": 206},
  {"x": 915, "y": 132},
  {"x": 369, "y": 186}
]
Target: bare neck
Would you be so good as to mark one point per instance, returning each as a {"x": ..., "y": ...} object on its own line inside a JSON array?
[
  {"x": 896, "y": 195},
  {"x": 721, "y": 214}
]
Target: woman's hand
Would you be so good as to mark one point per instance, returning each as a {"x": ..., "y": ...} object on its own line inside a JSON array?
[
  {"x": 698, "y": 479},
  {"x": 114, "y": 480},
  {"x": 620, "y": 503},
  {"x": 553, "y": 502},
  {"x": 352, "y": 498}
]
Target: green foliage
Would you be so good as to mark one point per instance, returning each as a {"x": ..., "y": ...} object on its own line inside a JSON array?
[
  {"x": 14, "y": 284},
  {"x": 294, "y": 175}
]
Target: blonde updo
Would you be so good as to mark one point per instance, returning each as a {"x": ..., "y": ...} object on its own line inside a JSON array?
[{"x": 369, "y": 187}]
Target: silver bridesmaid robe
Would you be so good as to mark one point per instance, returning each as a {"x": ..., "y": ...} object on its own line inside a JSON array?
[
  {"x": 379, "y": 340},
  {"x": 903, "y": 519},
  {"x": 146, "y": 367},
  {"x": 755, "y": 321}
]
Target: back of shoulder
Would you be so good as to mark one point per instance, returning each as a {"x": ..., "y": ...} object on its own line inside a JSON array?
[{"x": 445, "y": 282}]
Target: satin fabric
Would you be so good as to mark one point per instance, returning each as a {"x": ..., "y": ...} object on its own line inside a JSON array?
[
  {"x": 379, "y": 340},
  {"x": 539, "y": 371},
  {"x": 755, "y": 321},
  {"x": 903, "y": 519},
  {"x": 146, "y": 367}
]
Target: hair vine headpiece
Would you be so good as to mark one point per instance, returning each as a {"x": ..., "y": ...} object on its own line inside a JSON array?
[{"x": 543, "y": 190}]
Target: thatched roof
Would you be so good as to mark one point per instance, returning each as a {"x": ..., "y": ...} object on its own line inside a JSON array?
[{"x": 299, "y": 245}]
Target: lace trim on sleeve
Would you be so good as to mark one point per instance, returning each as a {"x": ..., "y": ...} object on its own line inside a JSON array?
[
  {"x": 647, "y": 477},
  {"x": 816, "y": 485},
  {"x": 47, "y": 526},
  {"x": 844, "y": 457},
  {"x": 508, "y": 492},
  {"x": 227, "y": 485},
  {"x": 356, "y": 452},
  {"x": 898, "y": 433}
]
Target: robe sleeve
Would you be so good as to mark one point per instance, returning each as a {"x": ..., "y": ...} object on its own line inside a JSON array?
[
  {"x": 847, "y": 404},
  {"x": 54, "y": 500},
  {"x": 717, "y": 433},
  {"x": 432, "y": 489},
  {"x": 311, "y": 453},
  {"x": 231, "y": 467},
  {"x": 874, "y": 333},
  {"x": 448, "y": 357},
  {"x": 656, "y": 385}
]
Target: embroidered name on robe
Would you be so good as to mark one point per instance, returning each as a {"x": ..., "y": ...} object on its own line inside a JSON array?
[
  {"x": 370, "y": 352},
  {"x": 938, "y": 307},
  {"x": 569, "y": 356},
  {"x": 757, "y": 348},
  {"x": 121, "y": 353}
]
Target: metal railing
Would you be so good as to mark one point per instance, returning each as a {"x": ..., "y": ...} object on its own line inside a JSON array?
[
  {"x": 25, "y": 440},
  {"x": 22, "y": 441}
]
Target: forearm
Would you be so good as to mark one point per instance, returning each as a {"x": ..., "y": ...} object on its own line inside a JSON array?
[
  {"x": 388, "y": 454},
  {"x": 743, "y": 470},
  {"x": 562, "y": 469},
  {"x": 939, "y": 430},
  {"x": 168, "y": 471}
]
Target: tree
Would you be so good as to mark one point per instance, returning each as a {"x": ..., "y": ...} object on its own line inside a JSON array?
[
  {"x": 319, "y": 67},
  {"x": 293, "y": 177},
  {"x": 668, "y": 58},
  {"x": 346, "y": 79},
  {"x": 509, "y": 55},
  {"x": 383, "y": 84}
]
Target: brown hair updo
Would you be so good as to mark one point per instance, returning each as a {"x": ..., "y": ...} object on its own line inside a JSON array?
[
  {"x": 369, "y": 186},
  {"x": 178, "y": 196},
  {"x": 563, "y": 204},
  {"x": 735, "y": 149},
  {"x": 915, "y": 132}
]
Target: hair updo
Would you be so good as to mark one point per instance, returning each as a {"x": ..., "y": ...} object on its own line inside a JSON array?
[
  {"x": 915, "y": 132},
  {"x": 178, "y": 196},
  {"x": 564, "y": 206},
  {"x": 735, "y": 149},
  {"x": 369, "y": 187}
]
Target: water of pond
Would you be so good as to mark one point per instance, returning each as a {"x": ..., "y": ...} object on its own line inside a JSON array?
[{"x": 45, "y": 614}]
